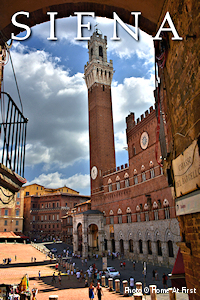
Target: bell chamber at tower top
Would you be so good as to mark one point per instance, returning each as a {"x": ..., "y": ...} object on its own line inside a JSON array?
[{"x": 98, "y": 70}]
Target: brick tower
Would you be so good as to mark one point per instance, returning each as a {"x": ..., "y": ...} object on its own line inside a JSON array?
[{"x": 98, "y": 77}]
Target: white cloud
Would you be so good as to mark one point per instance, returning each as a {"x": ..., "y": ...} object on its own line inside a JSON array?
[
  {"x": 56, "y": 105},
  {"x": 55, "y": 98},
  {"x": 135, "y": 95},
  {"x": 54, "y": 180},
  {"x": 66, "y": 30}
]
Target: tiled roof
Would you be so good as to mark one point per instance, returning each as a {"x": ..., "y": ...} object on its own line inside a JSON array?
[{"x": 8, "y": 234}]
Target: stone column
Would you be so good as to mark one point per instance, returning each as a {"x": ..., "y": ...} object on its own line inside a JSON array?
[
  {"x": 154, "y": 252},
  {"x": 84, "y": 243},
  {"x": 101, "y": 241},
  {"x": 145, "y": 250},
  {"x": 75, "y": 242}
]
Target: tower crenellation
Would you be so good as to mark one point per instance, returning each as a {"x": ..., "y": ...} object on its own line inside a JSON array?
[{"x": 98, "y": 69}]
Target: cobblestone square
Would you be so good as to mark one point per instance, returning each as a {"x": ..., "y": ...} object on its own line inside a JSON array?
[{"x": 70, "y": 289}]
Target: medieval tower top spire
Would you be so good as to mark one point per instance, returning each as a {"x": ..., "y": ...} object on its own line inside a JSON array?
[
  {"x": 98, "y": 69},
  {"x": 98, "y": 77}
]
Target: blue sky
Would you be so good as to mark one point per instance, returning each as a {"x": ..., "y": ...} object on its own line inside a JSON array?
[{"x": 54, "y": 95}]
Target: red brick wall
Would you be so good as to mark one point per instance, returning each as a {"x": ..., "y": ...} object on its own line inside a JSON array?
[
  {"x": 102, "y": 153},
  {"x": 134, "y": 195}
]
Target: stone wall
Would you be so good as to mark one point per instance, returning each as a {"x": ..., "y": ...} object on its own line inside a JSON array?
[
  {"x": 190, "y": 248},
  {"x": 163, "y": 230}
]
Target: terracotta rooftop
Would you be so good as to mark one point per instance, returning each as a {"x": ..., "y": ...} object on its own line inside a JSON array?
[{"x": 8, "y": 234}]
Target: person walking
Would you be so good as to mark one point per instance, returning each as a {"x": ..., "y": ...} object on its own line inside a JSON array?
[
  {"x": 134, "y": 265},
  {"x": 53, "y": 278},
  {"x": 34, "y": 292},
  {"x": 164, "y": 280},
  {"x": 59, "y": 278},
  {"x": 156, "y": 275},
  {"x": 39, "y": 274},
  {"x": 153, "y": 275},
  {"x": 91, "y": 291},
  {"x": 121, "y": 264},
  {"x": 99, "y": 291}
]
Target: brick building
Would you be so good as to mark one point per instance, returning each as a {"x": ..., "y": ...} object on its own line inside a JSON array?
[
  {"x": 132, "y": 207},
  {"x": 43, "y": 214}
]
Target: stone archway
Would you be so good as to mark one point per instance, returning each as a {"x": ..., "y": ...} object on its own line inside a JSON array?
[{"x": 121, "y": 245}]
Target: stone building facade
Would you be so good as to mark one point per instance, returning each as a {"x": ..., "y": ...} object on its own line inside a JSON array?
[
  {"x": 132, "y": 206},
  {"x": 67, "y": 221}
]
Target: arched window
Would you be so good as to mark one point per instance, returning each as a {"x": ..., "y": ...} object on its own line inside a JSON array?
[
  {"x": 131, "y": 246},
  {"x": 126, "y": 179},
  {"x": 140, "y": 246},
  {"x": 143, "y": 176},
  {"x": 119, "y": 219},
  {"x": 129, "y": 218},
  {"x": 149, "y": 247},
  {"x": 118, "y": 185},
  {"x": 136, "y": 179},
  {"x": 91, "y": 51},
  {"x": 109, "y": 185},
  {"x": 133, "y": 150},
  {"x": 170, "y": 249},
  {"x": 167, "y": 213},
  {"x": 146, "y": 216},
  {"x": 152, "y": 172},
  {"x": 159, "y": 248},
  {"x": 100, "y": 51},
  {"x": 156, "y": 215}
]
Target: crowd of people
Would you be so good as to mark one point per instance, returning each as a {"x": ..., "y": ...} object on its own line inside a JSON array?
[{"x": 7, "y": 261}]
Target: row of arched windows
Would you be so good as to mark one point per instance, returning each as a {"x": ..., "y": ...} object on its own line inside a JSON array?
[
  {"x": 140, "y": 208},
  {"x": 135, "y": 177},
  {"x": 159, "y": 251},
  {"x": 101, "y": 72},
  {"x": 158, "y": 246}
]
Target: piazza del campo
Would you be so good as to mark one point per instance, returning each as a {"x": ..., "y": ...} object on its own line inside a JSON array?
[{"x": 138, "y": 232}]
